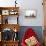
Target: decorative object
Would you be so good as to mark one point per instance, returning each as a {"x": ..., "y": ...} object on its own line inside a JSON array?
[
  {"x": 15, "y": 37},
  {"x": 15, "y": 30},
  {"x": 5, "y": 12},
  {"x": 15, "y": 3},
  {"x": 15, "y": 34},
  {"x": 31, "y": 41},
  {"x": 6, "y": 21},
  {"x": 30, "y": 38},
  {"x": 13, "y": 12},
  {"x": 7, "y": 34},
  {"x": 30, "y": 13}
]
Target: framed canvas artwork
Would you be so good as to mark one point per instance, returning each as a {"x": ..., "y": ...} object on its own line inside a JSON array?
[{"x": 30, "y": 13}]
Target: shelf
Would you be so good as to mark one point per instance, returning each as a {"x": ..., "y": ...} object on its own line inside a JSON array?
[
  {"x": 11, "y": 41},
  {"x": 5, "y": 13},
  {"x": 5, "y": 8},
  {"x": 7, "y": 23},
  {"x": 10, "y": 19},
  {"x": 10, "y": 26},
  {"x": 8, "y": 10},
  {"x": 11, "y": 15}
]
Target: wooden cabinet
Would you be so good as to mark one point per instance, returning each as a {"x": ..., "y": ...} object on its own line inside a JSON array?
[{"x": 7, "y": 23}]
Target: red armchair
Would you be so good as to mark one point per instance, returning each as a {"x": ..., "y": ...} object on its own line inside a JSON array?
[{"x": 29, "y": 34}]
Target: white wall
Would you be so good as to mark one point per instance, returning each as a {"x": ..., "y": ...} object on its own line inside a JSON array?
[
  {"x": 31, "y": 4},
  {"x": 7, "y": 3},
  {"x": 24, "y": 5}
]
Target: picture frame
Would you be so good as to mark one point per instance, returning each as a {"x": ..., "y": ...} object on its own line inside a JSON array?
[
  {"x": 30, "y": 13},
  {"x": 5, "y": 12}
]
